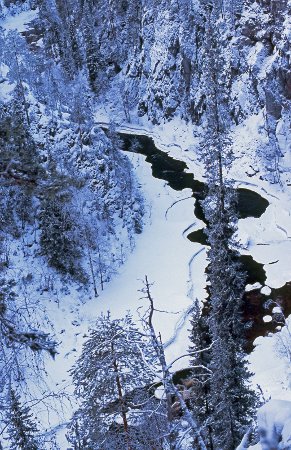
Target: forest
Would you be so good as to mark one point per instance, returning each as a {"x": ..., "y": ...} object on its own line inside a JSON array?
[{"x": 145, "y": 226}]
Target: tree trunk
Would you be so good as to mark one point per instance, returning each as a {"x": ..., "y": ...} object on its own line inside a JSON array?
[
  {"x": 121, "y": 400},
  {"x": 170, "y": 389}
]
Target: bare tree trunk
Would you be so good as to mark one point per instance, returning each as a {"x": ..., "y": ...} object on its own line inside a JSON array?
[{"x": 170, "y": 389}]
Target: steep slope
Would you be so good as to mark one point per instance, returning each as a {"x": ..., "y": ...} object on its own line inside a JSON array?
[{"x": 71, "y": 67}]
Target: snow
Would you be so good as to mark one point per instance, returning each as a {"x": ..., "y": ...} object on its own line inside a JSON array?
[
  {"x": 252, "y": 287},
  {"x": 274, "y": 423},
  {"x": 274, "y": 427},
  {"x": 165, "y": 260},
  {"x": 162, "y": 253},
  {"x": 267, "y": 319},
  {"x": 266, "y": 290},
  {"x": 6, "y": 88},
  {"x": 160, "y": 393},
  {"x": 19, "y": 22},
  {"x": 269, "y": 242},
  {"x": 267, "y": 239},
  {"x": 270, "y": 369}
]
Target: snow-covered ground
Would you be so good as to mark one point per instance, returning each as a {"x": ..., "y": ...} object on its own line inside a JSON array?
[
  {"x": 176, "y": 267},
  {"x": 20, "y": 22},
  {"x": 174, "y": 264},
  {"x": 165, "y": 256},
  {"x": 267, "y": 239}
]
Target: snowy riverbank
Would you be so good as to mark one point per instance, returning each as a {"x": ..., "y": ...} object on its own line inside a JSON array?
[{"x": 267, "y": 239}]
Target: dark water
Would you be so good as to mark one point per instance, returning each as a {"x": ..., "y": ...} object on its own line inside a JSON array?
[
  {"x": 198, "y": 236},
  {"x": 258, "y": 305},
  {"x": 164, "y": 167},
  {"x": 255, "y": 271},
  {"x": 250, "y": 204}
]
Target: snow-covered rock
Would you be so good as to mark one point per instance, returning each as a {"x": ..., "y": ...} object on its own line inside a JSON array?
[{"x": 274, "y": 425}]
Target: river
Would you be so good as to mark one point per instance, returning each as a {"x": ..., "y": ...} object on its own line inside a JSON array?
[{"x": 249, "y": 204}]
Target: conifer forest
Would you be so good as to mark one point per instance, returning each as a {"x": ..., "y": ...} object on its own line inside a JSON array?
[{"x": 145, "y": 225}]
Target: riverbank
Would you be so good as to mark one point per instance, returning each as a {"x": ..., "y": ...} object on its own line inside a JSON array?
[{"x": 266, "y": 239}]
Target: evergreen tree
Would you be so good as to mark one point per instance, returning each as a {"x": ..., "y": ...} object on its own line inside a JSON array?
[
  {"x": 201, "y": 375},
  {"x": 110, "y": 367},
  {"x": 21, "y": 427},
  {"x": 18, "y": 59},
  {"x": 231, "y": 398},
  {"x": 59, "y": 239},
  {"x": 232, "y": 401},
  {"x": 81, "y": 113},
  {"x": 92, "y": 54},
  {"x": 20, "y": 162}
]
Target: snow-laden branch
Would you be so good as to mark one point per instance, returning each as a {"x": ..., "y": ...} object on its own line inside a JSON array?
[{"x": 193, "y": 353}]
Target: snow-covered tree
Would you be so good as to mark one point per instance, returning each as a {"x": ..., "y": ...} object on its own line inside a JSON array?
[
  {"x": 115, "y": 360},
  {"x": 232, "y": 400},
  {"x": 21, "y": 426},
  {"x": 93, "y": 58},
  {"x": 201, "y": 375},
  {"x": 59, "y": 238},
  {"x": 17, "y": 335},
  {"x": 20, "y": 161}
]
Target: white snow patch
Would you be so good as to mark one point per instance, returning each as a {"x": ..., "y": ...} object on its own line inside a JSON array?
[
  {"x": 160, "y": 393},
  {"x": 267, "y": 319},
  {"x": 6, "y": 88},
  {"x": 266, "y": 290},
  {"x": 252, "y": 287},
  {"x": 274, "y": 423},
  {"x": 19, "y": 22}
]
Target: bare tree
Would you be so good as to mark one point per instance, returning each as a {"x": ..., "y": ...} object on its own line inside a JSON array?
[{"x": 171, "y": 391}]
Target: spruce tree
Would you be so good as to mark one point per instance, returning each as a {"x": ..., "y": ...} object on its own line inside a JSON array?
[
  {"x": 20, "y": 161},
  {"x": 232, "y": 401},
  {"x": 58, "y": 239},
  {"x": 93, "y": 58},
  {"x": 21, "y": 427},
  {"x": 199, "y": 361}
]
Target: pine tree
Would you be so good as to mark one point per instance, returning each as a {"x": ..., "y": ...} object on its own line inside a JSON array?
[
  {"x": 110, "y": 367},
  {"x": 17, "y": 58},
  {"x": 21, "y": 427},
  {"x": 81, "y": 113}
]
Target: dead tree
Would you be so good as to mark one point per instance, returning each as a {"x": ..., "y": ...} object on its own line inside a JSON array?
[{"x": 171, "y": 391}]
